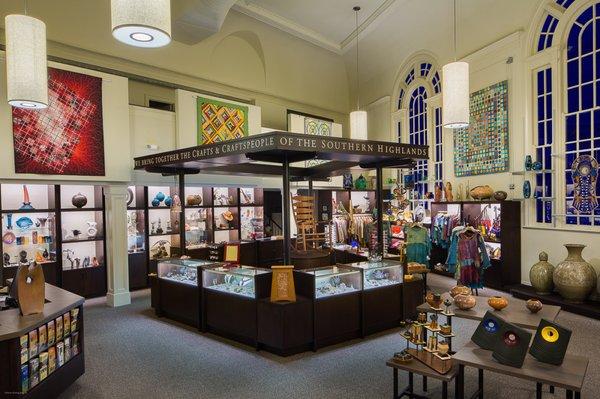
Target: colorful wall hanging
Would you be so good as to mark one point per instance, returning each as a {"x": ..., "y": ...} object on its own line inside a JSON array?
[
  {"x": 585, "y": 176},
  {"x": 318, "y": 127},
  {"x": 219, "y": 121},
  {"x": 482, "y": 148},
  {"x": 67, "y": 137}
]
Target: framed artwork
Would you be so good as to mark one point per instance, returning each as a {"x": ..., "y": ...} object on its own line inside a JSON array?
[
  {"x": 482, "y": 148},
  {"x": 219, "y": 121},
  {"x": 67, "y": 138},
  {"x": 231, "y": 253},
  {"x": 317, "y": 127}
]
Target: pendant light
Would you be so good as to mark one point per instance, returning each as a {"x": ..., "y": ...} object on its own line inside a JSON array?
[
  {"x": 26, "y": 63},
  {"x": 141, "y": 23},
  {"x": 455, "y": 87},
  {"x": 358, "y": 118}
]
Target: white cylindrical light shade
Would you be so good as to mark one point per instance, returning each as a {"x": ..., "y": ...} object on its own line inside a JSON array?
[
  {"x": 141, "y": 23},
  {"x": 358, "y": 125},
  {"x": 26, "y": 64},
  {"x": 455, "y": 88}
]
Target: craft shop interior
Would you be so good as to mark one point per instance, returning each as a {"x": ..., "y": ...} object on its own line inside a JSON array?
[{"x": 387, "y": 198}]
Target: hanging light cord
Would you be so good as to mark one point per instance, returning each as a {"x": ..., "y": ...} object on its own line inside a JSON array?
[
  {"x": 454, "y": 30},
  {"x": 356, "y": 10},
  {"x": 25, "y": 5}
]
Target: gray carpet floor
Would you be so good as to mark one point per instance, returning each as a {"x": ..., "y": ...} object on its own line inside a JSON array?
[{"x": 130, "y": 353}]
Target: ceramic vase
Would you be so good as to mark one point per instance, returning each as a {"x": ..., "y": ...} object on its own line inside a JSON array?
[
  {"x": 448, "y": 192},
  {"x": 482, "y": 192},
  {"x": 574, "y": 278},
  {"x": 526, "y": 189},
  {"x": 498, "y": 302},
  {"x": 79, "y": 200},
  {"x": 540, "y": 275},
  {"x": 465, "y": 302},
  {"x": 500, "y": 195}
]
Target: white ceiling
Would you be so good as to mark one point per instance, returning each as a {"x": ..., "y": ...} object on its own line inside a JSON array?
[{"x": 327, "y": 23}]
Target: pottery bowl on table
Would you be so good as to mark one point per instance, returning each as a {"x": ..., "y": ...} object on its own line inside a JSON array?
[
  {"x": 534, "y": 305},
  {"x": 465, "y": 302},
  {"x": 498, "y": 302}
]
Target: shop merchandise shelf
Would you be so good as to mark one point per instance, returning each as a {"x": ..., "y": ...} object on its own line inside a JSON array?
[{"x": 83, "y": 240}]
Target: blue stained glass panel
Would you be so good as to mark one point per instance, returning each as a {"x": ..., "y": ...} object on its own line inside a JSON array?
[
  {"x": 548, "y": 80},
  {"x": 573, "y": 42},
  {"x": 541, "y": 133},
  {"x": 585, "y": 125},
  {"x": 587, "y": 39},
  {"x": 573, "y": 73},
  {"x": 571, "y": 127},
  {"x": 573, "y": 99},
  {"x": 549, "y": 132},
  {"x": 587, "y": 68}
]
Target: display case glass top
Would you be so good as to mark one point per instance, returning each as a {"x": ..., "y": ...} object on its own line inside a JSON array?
[
  {"x": 335, "y": 280},
  {"x": 183, "y": 271},
  {"x": 379, "y": 274},
  {"x": 236, "y": 280}
]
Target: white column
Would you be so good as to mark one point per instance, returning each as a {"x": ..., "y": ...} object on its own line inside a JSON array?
[{"x": 117, "y": 260}]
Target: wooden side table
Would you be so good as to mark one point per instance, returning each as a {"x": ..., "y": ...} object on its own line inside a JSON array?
[
  {"x": 570, "y": 375},
  {"x": 416, "y": 367}
]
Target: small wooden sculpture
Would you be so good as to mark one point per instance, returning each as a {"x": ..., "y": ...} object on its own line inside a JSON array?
[
  {"x": 282, "y": 284},
  {"x": 438, "y": 193},
  {"x": 448, "y": 192},
  {"x": 30, "y": 288}
]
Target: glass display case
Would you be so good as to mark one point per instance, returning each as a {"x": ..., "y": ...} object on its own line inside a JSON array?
[
  {"x": 335, "y": 280},
  {"x": 237, "y": 280},
  {"x": 182, "y": 270},
  {"x": 379, "y": 274}
]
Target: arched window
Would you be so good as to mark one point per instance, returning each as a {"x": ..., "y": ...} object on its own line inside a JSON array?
[
  {"x": 417, "y": 134},
  {"x": 422, "y": 124},
  {"x": 582, "y": 122}
]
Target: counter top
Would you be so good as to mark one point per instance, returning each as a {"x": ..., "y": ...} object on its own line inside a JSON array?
[{"x": 58, "y": 301}]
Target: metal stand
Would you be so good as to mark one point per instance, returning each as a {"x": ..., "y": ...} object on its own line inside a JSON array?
[
  {"x": 409, "y": 390},
  {"x": 379, "y": 200},
  {"x": 181, "y": 193},
  {"x": 286, "y": 211}
]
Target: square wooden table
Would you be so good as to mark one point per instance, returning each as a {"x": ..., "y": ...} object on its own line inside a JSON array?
[
  {"x": 416, "y": 367},
  {"x": 570, "y": 375}
]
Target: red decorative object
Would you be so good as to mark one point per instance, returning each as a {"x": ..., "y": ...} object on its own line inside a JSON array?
[{"x": 67, "y": 137}]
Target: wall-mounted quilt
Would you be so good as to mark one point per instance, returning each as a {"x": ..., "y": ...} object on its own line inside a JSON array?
[{"x": 220, "y": 121}]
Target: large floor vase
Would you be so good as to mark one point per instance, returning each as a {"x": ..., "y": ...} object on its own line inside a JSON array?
[{"x": 574, "y": 278}]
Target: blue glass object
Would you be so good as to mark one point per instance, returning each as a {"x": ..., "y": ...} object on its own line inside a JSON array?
[
  {"x": 160, "y": 196},
  {"x": 526, "y": 189},
  {"x": 528, "y": 162},
  {"x": 155, "y": 202},
  {"x": 24, "y": 222}
]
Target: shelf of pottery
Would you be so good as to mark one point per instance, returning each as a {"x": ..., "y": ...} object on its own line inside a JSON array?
[
  {"x": 136, "y": 219},
  {"x": 82, "y": 226},
  {"x": 28, "y": 224},
  {"x": 163, "y": 222}
]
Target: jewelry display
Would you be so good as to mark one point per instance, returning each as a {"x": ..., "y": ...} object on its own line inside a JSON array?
[{"x": 237, "y": 280}]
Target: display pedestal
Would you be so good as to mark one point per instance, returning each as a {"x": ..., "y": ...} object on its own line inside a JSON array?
[
  {"x": 310, "y": 259},
  {"x": 180, "y": 302},
  {"x": 588, "y": 308},
  {"x": 285, "y": 328}
]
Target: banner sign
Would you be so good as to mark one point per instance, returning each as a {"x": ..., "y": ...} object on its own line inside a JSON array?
[{"x": 290, "y": 142}]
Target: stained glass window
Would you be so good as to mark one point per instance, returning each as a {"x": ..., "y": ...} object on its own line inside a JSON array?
[
  {"x": 437, "y": 84},
  {"x": 410, "y": 77},
  {"x": 547, "y": 32},
  {"x": 564, "y": 3},
  {"x": 417, "y": 134},
  {"x": 543, "y": 141},
  {"x": 425, "y": 68},
  {"x": 583, "y": 106},
  {"x": 400, "y": 98},
  {"x": 438, "y": 147}
]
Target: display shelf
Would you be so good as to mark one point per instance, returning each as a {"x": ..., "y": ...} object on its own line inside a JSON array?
[
  {"x": 83, "y": 240},
  {"x": 82, "y": 210},
  {"x": 28, "y": 210}
]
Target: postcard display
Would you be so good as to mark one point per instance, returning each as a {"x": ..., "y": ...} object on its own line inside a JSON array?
[{"x": 46, "y": 357}]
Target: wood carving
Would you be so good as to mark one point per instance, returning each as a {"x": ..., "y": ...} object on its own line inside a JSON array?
[
  {"x": 448, "y": 192},
  {"x": 282, "y": 284},
  {"x": 30, "y": 288}
]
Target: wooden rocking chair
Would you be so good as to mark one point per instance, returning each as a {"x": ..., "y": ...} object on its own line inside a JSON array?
[{"x": 308, "y": 236}]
